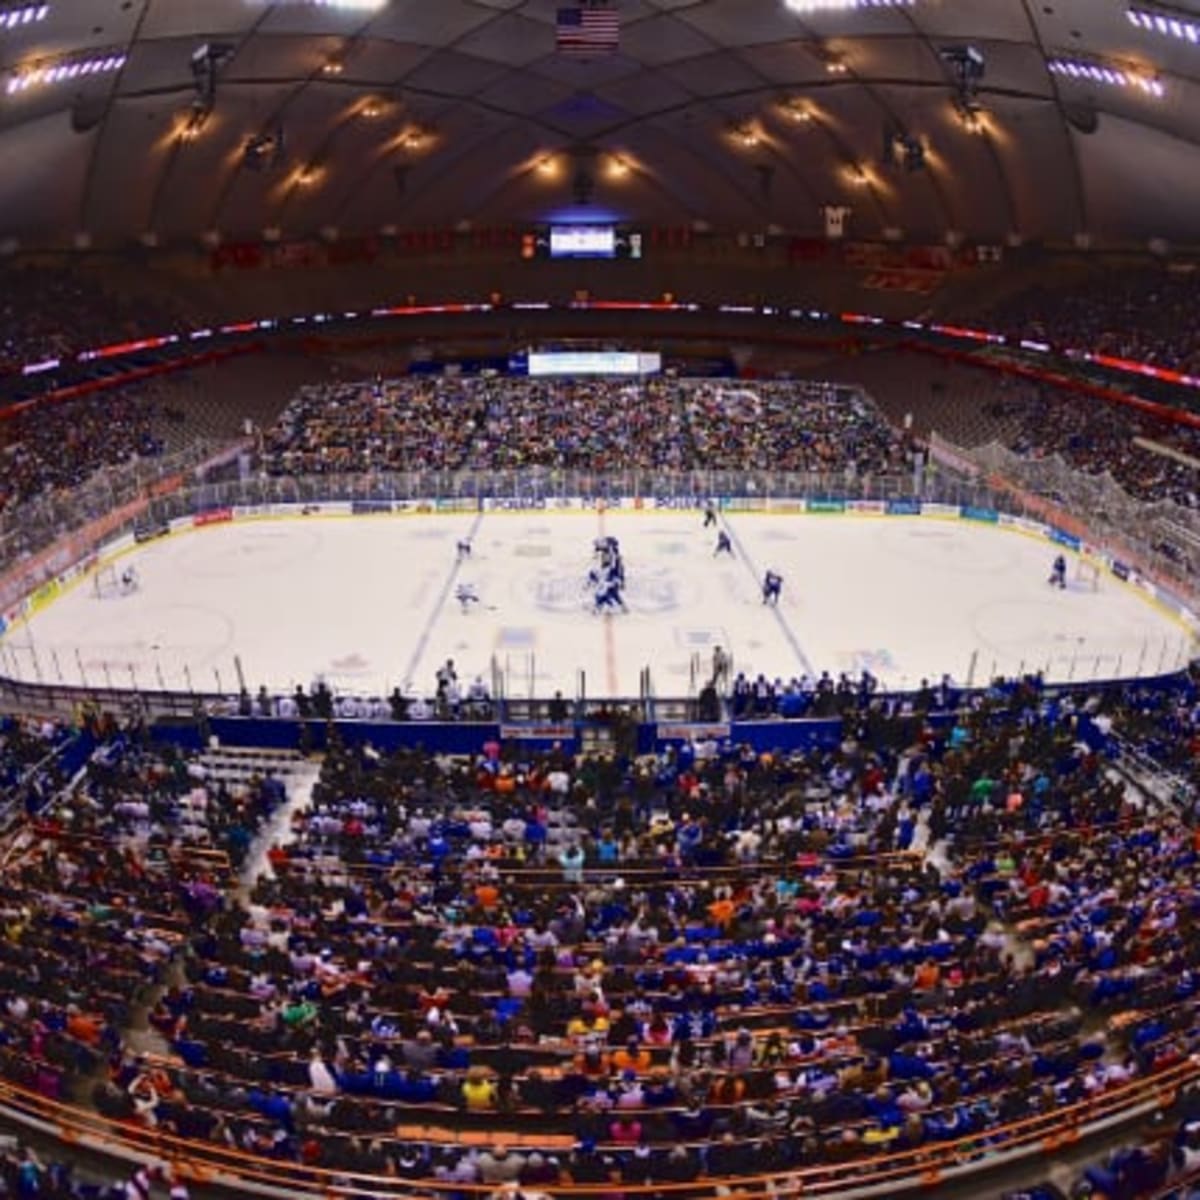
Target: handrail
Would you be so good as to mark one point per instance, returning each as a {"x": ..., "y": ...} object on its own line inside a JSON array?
[{"x": 919, "y": 1167}]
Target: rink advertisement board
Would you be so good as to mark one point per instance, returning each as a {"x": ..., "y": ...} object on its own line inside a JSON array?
[
  {"x": 1063, "y": 539},
  {"x": 695, "y": 732},
  {"x": 537, "y": 733},
  {"x": 212, "y": 516},
  {"x": 903, "y": 508},
  {"x": 940, "y": 510},
  {"x": 516, "y": 504},
  {"x": 829, "y": 507},
  {"x": 988, "y": 516},
  {"x": 867, "y": 507}
]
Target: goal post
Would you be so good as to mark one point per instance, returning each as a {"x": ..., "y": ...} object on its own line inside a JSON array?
[
  {"x": 109, "y": 581},
  {"x": 105, "y": 582},
  {"x": 1087, "y": 573}
]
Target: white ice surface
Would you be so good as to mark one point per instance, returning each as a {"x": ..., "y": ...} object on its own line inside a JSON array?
[{"x": 368, "y": 603}]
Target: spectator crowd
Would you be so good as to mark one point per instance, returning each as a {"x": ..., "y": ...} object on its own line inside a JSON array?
[
  {"x": 448, "y": 423},
  {"x": 54, "y": 448},
  {"x": 48, "y": 313},
  {"x": 1144, "y": 315},
  {"x": 617, "y": 971}
]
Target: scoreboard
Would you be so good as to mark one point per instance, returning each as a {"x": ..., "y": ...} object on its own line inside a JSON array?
[{"x": 581, "y": 241}]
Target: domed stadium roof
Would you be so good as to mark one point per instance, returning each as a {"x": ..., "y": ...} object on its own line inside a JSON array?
[{"x": 172, "y": 119}]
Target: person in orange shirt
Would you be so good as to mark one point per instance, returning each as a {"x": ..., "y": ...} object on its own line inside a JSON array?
[
  {"x": 631, "y": 1057},
  {"x": 720, "y": 911},
  {"x": 926, "y": 975},
  {"x": 487, "y": 896},
  {"x": 83, "y": 1027}
]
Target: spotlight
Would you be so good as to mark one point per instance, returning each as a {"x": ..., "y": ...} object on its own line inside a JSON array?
[
  {"x": 968, "y": 66},
  {"x": 264, "y": 150}
]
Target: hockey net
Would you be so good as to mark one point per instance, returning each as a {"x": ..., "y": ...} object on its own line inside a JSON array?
[
  {"x": 106, "y": 583},
  {"x": 1086, "y": 574}
]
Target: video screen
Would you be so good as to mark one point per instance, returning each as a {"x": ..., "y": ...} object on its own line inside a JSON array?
[
  {"x": 594, "y": 362},
  {"x": 583, "y": 241}
]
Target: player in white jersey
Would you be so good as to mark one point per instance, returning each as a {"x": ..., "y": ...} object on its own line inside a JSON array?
[
  {"x": 466, "y": 594},
  {"x": 463, "y": 548}
]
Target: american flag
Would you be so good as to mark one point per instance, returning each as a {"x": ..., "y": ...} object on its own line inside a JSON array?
[{"x": 588, "y": 31}]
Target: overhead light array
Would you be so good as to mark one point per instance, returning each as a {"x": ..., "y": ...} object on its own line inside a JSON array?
[
  {"x": 344, "y": 5},
  {"x": 63, "y": 69},
  {"x": 1096, "y": 72},
  {"x": 805, "y": 7},
  {"x": 22, "y": 14},
  {"x": 1166, "y": 24}
]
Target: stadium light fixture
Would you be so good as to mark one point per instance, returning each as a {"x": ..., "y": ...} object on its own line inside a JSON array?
[
  {"x": 798, "y": 111},
  {"x": 14, "y": 16},
  {"x": 1107, "y": 73},
  {"x": 807, "y": 7},
  {"x": 342, "y": 5},
  {"x": 1184, "y": 28},
  {"x": 62, "y": 69}
]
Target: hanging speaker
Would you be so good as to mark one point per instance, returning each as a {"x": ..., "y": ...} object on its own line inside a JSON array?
[
  {"x": 1082, "y": 118},
  {"x": 87, "y": 113}
]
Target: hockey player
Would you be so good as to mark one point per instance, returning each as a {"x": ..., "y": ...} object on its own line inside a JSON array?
[
  {"x": 710, "y": 515},
  {"x": 463, "y": 547},
  {"x": 129, "y": 580},
  {"x": 608, "y": 594},
  {"x": 1058, "y": 573},
  {"x": 772, "y": 585},
  {"x": 466, "y": 595},
  {"x": 720, "y": 668},
  {"x": 724, "y": 545}
]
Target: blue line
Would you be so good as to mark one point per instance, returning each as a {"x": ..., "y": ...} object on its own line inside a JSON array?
[
  {"x": 786, "y": 629},
  {"x": 431, "y": 620}
]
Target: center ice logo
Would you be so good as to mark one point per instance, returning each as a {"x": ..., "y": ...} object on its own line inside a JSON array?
[{"x": 650, "y": 592}]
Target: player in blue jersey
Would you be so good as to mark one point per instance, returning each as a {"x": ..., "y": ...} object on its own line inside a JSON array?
[
  {"x": 772, "y": 585},
  {"x": 1058, "y": 573}
]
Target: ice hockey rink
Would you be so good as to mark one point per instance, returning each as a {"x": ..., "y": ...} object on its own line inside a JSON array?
[{"x": 368, "y": 603}]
